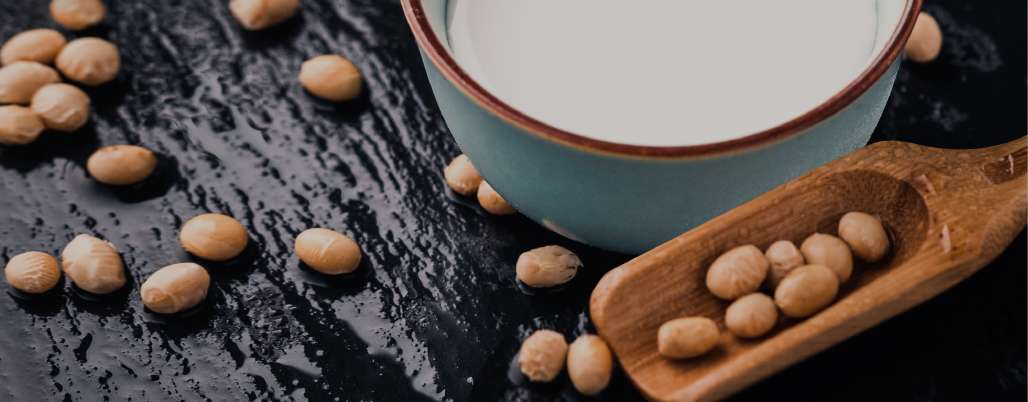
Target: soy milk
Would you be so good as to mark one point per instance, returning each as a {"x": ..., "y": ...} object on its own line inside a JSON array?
[{"x": 663, "y": 72}]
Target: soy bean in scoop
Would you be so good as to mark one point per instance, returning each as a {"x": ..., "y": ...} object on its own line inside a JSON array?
[
  {"x": 751, "y": 316},
  {"x": 829, "y": 251},
  {"x": 737, "y": 272},
  {"x": 783, "y": 257},
  {"x": 865, "y": 235},
  {"x": 687, "y": 337},
  {"x": 806, "y": 290}
]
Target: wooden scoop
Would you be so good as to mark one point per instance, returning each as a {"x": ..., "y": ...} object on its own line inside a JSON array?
[{"x": 949, "y": 212}]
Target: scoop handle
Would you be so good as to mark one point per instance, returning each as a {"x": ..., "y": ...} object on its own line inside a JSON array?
[
  {"x": 977, "y": 197},
  {"x": 1002, "y": 197}
]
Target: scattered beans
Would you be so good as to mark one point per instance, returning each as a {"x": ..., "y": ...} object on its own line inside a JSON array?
[
  {"x": 90, "y": 61},
  {"x": 737, "y": 272},
  {"x": 327, "y": 251},
  {"x": 175, "y": 288},
  {"x": 865, "y": 235},
  {"x": 214, "y": 237},
  {"x": 590, "y": 364},
  {"x": 683, "y": 338},
  {"x": 542, "y": 355},
  {"x": 77, "y": 15},
  {"x": 925, "y": 41},
  {"x": 493, "y": 202},
  {"x": 121, "y": 164},
  {"x": 806, "y": 290},
  {"x": 38, "y": 45},
  {"x": 21, "y": 79},
  {"x": 547, "y": 266},
  {"x": 61, "y": 107},
  {"x": 18, "y": 125},
  {"x": 93, "y": 265},
  {"x": 829, "y": 251},
  {"x": 259, "y": 14},
  {"x": 751, "y": 316},
  {"x": 783, "y": 257},
  {"x": 331, "y": 77},
  {"x": 461, "y": 176},
  {"x": 32, "y": 272}
]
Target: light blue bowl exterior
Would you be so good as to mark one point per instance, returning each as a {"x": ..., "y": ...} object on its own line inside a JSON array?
[{"x": 631, "y": 204}]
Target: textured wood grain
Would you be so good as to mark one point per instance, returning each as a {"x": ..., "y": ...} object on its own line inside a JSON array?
[{"x": 978, "y": 197}]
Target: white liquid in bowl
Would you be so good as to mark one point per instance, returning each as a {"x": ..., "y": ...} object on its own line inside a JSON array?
[{"x": 663, "y": 72}]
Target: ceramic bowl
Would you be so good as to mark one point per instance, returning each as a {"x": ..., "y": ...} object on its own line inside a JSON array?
[{"x": 631, "y": 198}]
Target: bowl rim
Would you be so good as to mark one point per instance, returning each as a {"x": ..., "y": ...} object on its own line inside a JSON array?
[{"x": 434, "y": 49}]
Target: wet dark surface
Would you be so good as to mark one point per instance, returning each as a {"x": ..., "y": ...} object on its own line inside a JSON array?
[{"x": 435, "y": 312}]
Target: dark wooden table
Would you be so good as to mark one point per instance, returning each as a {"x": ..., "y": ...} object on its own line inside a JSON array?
[{"x": 434, "y": 312}]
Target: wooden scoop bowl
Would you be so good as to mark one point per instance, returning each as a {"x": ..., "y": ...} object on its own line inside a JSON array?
[{"x": 949, "y": 212}]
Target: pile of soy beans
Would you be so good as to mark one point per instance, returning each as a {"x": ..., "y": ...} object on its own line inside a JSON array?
[
  {"x": 801, "y": 281},
  {"x": 33, "y": 98},
  {"x": 90, "y": 263},
  {"x": 31, "y": 91}
]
